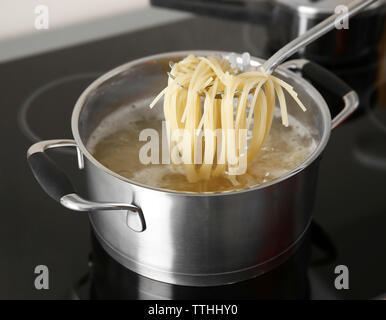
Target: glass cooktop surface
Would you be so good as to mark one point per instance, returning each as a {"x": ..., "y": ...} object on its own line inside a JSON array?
[{"x": 37, "y": 97}]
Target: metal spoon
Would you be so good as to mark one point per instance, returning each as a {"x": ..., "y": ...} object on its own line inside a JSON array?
[{"x": 353, "y": 8}]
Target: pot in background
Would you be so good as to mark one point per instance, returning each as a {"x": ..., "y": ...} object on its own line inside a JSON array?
[
  {"x": 284, "y": 20},
  {"x": 291, "y": 18}
]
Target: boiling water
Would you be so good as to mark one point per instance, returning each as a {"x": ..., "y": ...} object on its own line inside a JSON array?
[{"x": 115, "y": 144}]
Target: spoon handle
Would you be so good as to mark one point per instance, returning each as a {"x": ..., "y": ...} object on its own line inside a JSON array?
[{"x": 314, "y": 33}]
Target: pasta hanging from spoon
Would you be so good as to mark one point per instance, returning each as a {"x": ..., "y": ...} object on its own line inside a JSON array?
[{"x": 209, "y": 107}]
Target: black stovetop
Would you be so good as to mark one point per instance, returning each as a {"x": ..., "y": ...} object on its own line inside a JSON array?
[{"x": 37, "y": 97}]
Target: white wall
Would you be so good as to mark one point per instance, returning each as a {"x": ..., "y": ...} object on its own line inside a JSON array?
[
  {"x": 17, "y": 17},
  {"x": 72, "y": 22}
]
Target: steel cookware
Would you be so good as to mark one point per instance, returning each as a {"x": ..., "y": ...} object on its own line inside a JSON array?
[
  {"x": 285, "y": 20},
  {"x": 347, "y": 43},
  {"x": 187, "y": 238}
]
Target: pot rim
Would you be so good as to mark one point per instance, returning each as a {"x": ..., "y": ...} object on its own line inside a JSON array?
[
  {"x": 326, "y": 118},
  {"x": 325, "y": 8}
]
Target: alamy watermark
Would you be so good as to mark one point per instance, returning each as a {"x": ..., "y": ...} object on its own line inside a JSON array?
[
  {"x": 173, "y": 144},
  {"x": 342, "y": 280},
  {"x": 42, "y": 280},
  {"x": 342, "y": 22},
  {"x": 41, "y": 17}
]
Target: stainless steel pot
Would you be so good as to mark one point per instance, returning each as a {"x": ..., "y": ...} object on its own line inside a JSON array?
[
  {"x": 285, "y": 20},
  {"x": 292, "y": 18},
  {"x": 187, "y": 238}
]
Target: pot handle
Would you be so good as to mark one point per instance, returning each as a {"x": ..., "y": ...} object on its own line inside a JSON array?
[
  {"x": 329, "y": 81},
  {"x": 57, "y": 185}
]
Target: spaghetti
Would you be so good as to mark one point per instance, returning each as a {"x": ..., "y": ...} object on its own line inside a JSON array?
[{"x": 209, "y": 135}]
